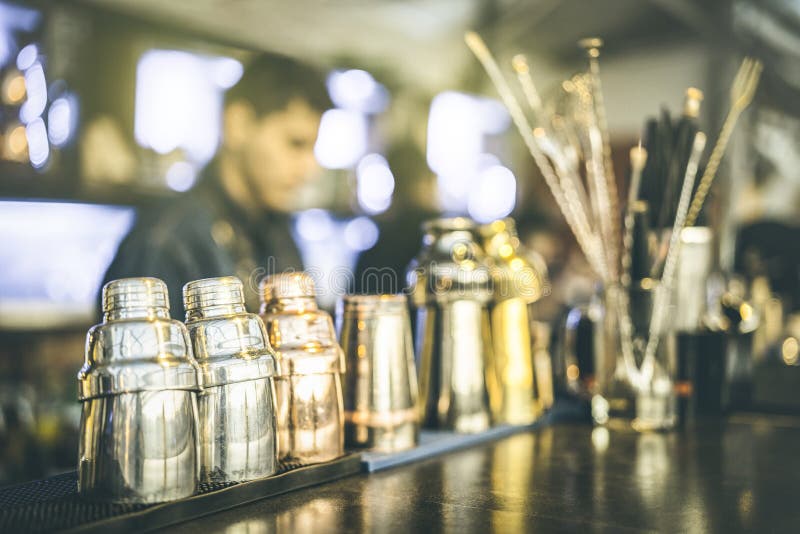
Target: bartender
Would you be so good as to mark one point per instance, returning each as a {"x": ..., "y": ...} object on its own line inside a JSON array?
[{"x": 236, "y": 220}]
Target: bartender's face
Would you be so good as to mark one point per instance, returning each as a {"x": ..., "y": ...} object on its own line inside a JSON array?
[{"x": 276, "y": 151}]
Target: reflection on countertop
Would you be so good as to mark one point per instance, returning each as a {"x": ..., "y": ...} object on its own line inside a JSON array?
[{"x": 721, "y": 476}]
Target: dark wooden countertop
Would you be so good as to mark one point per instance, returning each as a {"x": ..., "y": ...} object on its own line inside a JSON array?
[{"x": 741, "y": 474}]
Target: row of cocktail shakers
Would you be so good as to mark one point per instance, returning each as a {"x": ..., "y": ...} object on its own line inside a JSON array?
[{"x": 230, "y": 396}]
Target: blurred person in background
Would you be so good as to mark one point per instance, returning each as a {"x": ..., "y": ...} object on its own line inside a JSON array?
[{"x": 236, "y": 220}]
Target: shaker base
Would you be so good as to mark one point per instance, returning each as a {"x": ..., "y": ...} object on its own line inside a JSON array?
[{"x": 382, "y": 439}]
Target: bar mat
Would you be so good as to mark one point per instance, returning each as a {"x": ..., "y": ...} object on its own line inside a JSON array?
[
  {"x": 53, "y": 504},
  {"x": 437, "y": 442}
]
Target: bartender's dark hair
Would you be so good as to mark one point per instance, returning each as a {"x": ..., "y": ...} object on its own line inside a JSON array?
[{"x": 270, "y": 81}]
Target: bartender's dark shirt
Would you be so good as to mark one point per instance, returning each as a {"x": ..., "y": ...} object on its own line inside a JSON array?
[{"x": 204, "y": 234}]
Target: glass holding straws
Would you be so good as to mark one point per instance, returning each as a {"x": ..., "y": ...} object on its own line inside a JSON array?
[{"x": 569, "y": 142}]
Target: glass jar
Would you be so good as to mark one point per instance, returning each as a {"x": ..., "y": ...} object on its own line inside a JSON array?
[{"x": 631, "y": 389}]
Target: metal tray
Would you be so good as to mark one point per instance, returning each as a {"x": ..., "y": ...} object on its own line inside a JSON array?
[
  {"x": 53, "y": 504},
  {"x": 436, "y": 442}
]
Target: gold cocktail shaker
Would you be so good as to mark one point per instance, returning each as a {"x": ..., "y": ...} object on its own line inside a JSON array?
[
  {"x": 309, "y": 388},
  {"x": 520, "y": 389},
  {"x": 380, "y": 389},
  {"x": 450, "y": 288}
]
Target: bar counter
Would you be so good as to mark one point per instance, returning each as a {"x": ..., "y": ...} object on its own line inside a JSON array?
[{"x": 738, "y": 474}]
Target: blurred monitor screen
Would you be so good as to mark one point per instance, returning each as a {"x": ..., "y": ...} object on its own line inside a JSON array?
[{"x": 53, "y": 257}]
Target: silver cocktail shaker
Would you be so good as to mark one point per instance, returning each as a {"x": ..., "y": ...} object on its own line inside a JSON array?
[
  {"x": 237, "y": 368},
  {"x": 380, "y": 388},
  {"x": 138, "y": 387},
  {"x": 451, "y": 290},
  {"x": 309, "y": 387}
]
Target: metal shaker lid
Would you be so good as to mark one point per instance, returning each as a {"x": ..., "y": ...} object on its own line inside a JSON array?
[
  {"x": 507, "y": 225},
  {"x": 516, "y": 271},
  {"x": 225, "y": 291},
  {"x": 230, "y": 345},
  {"x": 137, "y": 347},
  {"x": 287, "y": 285},
  {"x": 130, "y": 294},
  {"x": 451, "y": 264},
  {"x": 498, "y": 233},
  {"x": 301, "y": 334}
]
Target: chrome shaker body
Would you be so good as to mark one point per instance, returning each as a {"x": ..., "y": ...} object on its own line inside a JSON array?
[
  {"x": 380, "y": 389},
  {"x": 515, "y": 388},
  {"x": 138, "y": 387},
  {"x": 237, "y": 433},
  {"x": 309, "y": 386},
  {"x": 451, "y": 291}
]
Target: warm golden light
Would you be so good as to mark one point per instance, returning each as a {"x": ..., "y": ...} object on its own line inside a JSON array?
[
  {"x": 15, "y": 90},
  {"x": 601, "y": 438},
  {"x": 746, "y": 311},
  {"x": 505, "y": 250},
  {"x": 459, "y": 251},
  {"x": 572, "y": 372},
  {"x": 498, "y": 226},
  {"x": 17, "y": 141},
  {"x": 790, "y": 350},
  {"x": 647, "y": 283}
]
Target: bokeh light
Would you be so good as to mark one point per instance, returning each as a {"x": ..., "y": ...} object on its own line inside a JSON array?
[
  {"x": 458, "y": 128},
  {"x": 361, "y": 233},
  {"x": 181, "y": 176},
  {"x": 14, "y": 89},
  {"x": 375, "y": 184},
  {"x": 62, "y": 118},
  {"x": 36, "y": 87},
  {"x": 342, "y": 139},
  {"x": 179, "y": 101},
  {"x": 494, "y": 196},
  {"x": 357, "y": 90},
  {"x": 27, "y": 56},
  {"x": 38, "y": 145}
]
